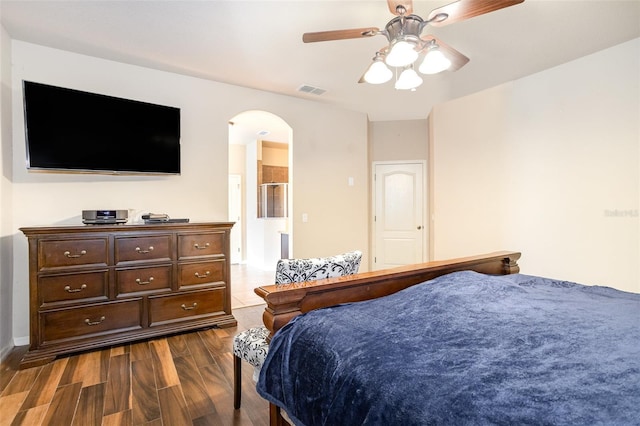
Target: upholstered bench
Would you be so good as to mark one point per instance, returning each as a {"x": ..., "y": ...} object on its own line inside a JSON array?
[{"x": 251, "y": 345}]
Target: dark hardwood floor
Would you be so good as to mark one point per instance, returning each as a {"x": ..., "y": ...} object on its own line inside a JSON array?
[{"x": 184, "y": 379}]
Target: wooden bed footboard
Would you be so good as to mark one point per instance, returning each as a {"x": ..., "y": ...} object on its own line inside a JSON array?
[
  {"x": 288, "y": 301},
  {"x": 285, "y": 302}
]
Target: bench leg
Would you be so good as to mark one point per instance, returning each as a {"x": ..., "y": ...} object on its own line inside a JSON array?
[{"x": 237, "y": 381}]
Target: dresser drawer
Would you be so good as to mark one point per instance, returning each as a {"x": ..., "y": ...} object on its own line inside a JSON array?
[
  {"x": 61, "y": 253},
  {"x": 143, "y": 279},
  {"x": 98, "y": 319},
  {"x": 73, "y": 287},
  {"x": 191, "y": 305},
  {"x": 201, "y": 273},
  {"x": 204, "y": 244},
  {"x": 136, "y": 249}
]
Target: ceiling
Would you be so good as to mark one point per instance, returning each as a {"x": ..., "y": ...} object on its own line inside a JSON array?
[{"x": 258, "y": 44}]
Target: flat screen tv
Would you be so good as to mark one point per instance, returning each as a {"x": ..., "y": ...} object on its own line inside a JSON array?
[{"x": 74, "y": 131}]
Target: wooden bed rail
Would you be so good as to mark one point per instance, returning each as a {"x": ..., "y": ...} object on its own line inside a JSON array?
[{"x": 285, "y": 302}]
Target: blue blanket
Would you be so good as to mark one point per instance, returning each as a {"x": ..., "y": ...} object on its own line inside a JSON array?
[{"x": 463, "y": 349}]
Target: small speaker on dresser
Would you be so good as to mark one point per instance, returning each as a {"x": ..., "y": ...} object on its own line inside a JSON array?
[{"x": 104, "y": 217}]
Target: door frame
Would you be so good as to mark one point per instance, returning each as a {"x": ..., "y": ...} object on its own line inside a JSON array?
[
  {"x": 426, "y": 236},
  {"x": 236, "y": 252}
]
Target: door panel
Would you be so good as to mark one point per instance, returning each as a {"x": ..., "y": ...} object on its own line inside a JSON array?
[{"x": 400, "y": 235}]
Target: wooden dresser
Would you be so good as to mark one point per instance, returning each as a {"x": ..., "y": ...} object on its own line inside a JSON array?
[{"x": 92, "y": 286}]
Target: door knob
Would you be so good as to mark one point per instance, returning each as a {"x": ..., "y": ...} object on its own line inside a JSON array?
[{"x": 419, "y": 227}]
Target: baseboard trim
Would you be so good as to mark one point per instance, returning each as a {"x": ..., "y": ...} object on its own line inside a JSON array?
[{"x": 21, "y": 341}]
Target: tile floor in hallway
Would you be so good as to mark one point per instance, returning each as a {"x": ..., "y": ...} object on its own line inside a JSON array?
[{"x": 244, "y": 279}]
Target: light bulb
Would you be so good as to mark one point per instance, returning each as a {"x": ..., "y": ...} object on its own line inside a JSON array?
[
  {"x": 409, "y": 79},
  {"x": 434, "y": 62},
  {"x": 402, "y": 54},
  {"x": 378, "y": 73}
]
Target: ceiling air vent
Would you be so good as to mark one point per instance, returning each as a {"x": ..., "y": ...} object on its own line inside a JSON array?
[{"x": 305, "y": 88}]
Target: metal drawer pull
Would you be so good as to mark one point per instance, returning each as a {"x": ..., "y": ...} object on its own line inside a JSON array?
[
  {"x": 140, "y": 282},
  {"x": 189, "y": 308},
  {"x": 197, "y": 246},
  {"x": 72, "y": 256},
  {"x": 68, "y": 289},
  {"x": 206, "y": 274},
  {"x": 89, "y": 322},
  {"x": 139, "y": 250}
]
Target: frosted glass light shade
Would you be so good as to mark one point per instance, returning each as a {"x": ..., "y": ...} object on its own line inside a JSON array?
[
  {"x": 434, "y": 62},
  {"x": 402, "y": 54},
  {"x": 378, "y": 73},
  {"x": 409, "y": 79}
]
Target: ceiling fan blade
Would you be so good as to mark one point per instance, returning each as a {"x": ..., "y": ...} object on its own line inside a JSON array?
[
  {"x": 465, "y": 9},
  {"x": 406, "y": 4},
  {"x": 339, "y": 34},
  {"x": 458, "y": 60}
]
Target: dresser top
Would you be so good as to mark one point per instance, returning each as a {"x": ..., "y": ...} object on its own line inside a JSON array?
[{"x": 125, "y": 228}]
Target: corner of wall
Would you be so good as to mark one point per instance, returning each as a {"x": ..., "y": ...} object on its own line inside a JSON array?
[
  {"x": 430, "y": 185},
  {"x": 369, "y": 262},
  {"x": 6, "y": 175}
]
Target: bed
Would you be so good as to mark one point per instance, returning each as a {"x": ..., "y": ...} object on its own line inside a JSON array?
[{"x": 468, "y": 341}]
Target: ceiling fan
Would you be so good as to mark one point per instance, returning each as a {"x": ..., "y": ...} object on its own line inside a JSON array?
[{"x": 406, "y": 44}]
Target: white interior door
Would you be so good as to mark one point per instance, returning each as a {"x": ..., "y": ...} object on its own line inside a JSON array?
[
  {"x": 235, "y": 215},
  {"x": 400, "y": 235}
]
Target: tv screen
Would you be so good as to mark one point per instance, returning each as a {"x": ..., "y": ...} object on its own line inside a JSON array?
[{"x": 76, "y": 131}]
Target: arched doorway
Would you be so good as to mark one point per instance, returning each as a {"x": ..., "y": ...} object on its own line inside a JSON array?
[{"x": 260, "y": 152}]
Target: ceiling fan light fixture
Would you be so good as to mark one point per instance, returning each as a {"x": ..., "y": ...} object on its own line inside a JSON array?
[
  {"x": 434, "y": 61},
  {"x": 402, "y": 52},
  {"x": 378, "y": 72},
  {"x": 408, "y": 80},
  {"x": 405, "y": 43}
]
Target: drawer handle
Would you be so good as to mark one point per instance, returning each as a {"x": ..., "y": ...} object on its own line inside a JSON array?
[
  {"x": 89, "y": 322},
  {"x": 206, "y": 274},
  {"x": 189, "y": 308},
  {"x": 141, "y": 251},
  {"x": 198, "y": 247},
  {"x": 73, "y": 256},
  {"x": 140, "y": 282},
  {"x": 68, "y": 289}
]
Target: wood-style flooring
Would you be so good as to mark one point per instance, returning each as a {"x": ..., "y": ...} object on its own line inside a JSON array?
[{"x": 183, "y": 379}]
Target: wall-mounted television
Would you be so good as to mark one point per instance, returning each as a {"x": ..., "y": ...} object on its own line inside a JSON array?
[{"x": 75, "y": 131}]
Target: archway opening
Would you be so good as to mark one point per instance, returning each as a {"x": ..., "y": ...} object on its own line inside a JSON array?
[{"x": 260, "y": 188}]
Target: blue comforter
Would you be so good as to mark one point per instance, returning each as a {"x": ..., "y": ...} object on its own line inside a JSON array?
[{"x": 463, "y": 349}]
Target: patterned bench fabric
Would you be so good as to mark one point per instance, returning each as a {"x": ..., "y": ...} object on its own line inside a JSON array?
[
  {"x": 300, "y": 270},
  {"x": 251, "y": 345}
]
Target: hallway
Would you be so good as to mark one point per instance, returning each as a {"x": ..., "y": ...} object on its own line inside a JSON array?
[{"x": 244, "y": 279}]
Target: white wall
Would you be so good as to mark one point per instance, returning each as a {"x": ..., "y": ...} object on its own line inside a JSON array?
[
  {"x": 254, "y": 251},
  {"x": 331, "y": 144},
  {"x": 6, "y": 232},
  {"x": 398, "y": 140},
  {"x": 547, "y": 165},
  {"x": 237, "y": 162}
]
